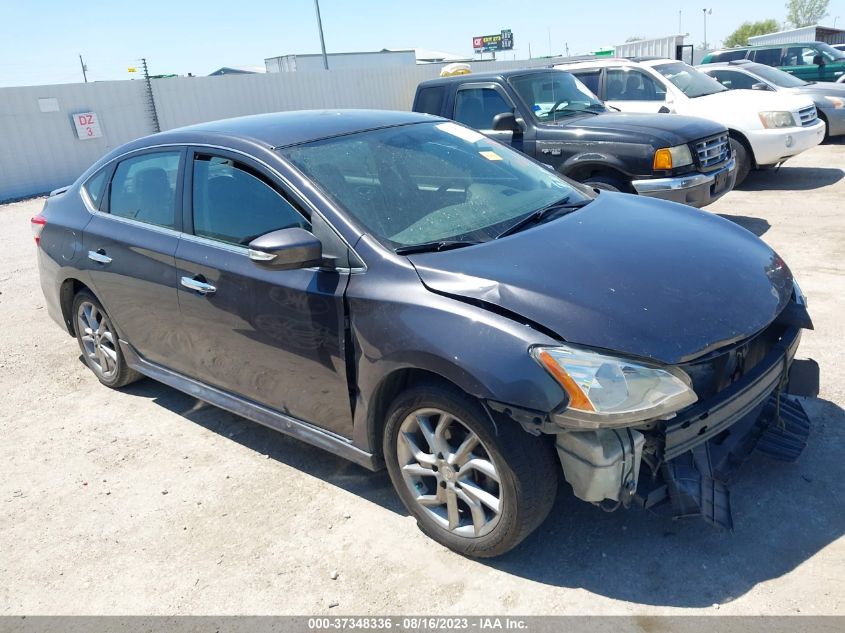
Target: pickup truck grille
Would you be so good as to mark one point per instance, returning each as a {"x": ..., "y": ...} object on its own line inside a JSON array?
[
  {"x": 713, "y": 151},
  {"x": 808, "y": 115}
]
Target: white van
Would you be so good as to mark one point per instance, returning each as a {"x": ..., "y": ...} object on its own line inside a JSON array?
[{"x": 765, "y": 128}]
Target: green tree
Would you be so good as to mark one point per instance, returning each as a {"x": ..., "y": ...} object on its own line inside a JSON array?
[
  {"x": 806, "y": 12},
  {"x": 750, "y": 29}
]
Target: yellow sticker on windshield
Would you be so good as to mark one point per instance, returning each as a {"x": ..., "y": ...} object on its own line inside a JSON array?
[{"x": 490, "y": 155}]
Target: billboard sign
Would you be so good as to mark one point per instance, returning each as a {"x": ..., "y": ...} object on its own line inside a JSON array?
[{"x": 500, "y": 42}]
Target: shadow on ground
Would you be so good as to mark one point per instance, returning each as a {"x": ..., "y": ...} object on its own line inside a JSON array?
[
  {"x": 791, "y": 179},
  {"x": 783, "y": 514},
  {"x": 758, "y": 226}
]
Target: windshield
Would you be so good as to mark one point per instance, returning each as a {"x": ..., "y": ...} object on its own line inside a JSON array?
[
  {"x": 829, "y": 52},
  {"x": 777, "y": 77},
  {"x": 691, "y": 82},
  {"x": 554, "y": 95},
  {"x": 421, "y": 183}
]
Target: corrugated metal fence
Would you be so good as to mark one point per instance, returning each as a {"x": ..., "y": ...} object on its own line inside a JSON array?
[{"x": 40, "y": 150}]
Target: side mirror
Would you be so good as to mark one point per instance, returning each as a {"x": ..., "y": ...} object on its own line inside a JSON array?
[
  {"x": 286, "y": 249},
  {"x": 760, "y": 86},
  {"x": 506, "y": 122}
]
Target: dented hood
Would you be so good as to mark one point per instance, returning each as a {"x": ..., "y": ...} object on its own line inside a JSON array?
[{"x": 635, "y": 275}]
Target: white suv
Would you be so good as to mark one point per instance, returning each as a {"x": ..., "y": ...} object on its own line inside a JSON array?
[{"x": 765, "y": 128}]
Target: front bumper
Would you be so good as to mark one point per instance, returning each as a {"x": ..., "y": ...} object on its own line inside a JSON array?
[
  {"x": 773, "y": 146},
  {"x": 697, "y": 189}
]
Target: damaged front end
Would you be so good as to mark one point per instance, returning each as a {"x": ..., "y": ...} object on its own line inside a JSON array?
[{"x": 686, "y": 460}]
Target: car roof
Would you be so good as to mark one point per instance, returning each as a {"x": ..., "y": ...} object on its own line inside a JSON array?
[
  {"x": 600, "y": 62},
  {"x": 279, "y": 129},
  {"x": 501, "y": 74}
]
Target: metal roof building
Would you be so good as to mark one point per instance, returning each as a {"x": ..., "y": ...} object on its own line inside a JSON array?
[{"x": 814, "y": 33}]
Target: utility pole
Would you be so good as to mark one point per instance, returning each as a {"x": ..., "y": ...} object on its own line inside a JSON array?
[
  {"x": 151, "y": 103},
  {"x": 680, "y": 21},
  {"x": 706, "y": 12},
  {"x": 322, "y": 41},
  {"x": 84, "y": 69},
  {"x": 550, "y": 41}
]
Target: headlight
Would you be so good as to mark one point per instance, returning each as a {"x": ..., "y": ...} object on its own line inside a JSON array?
[
  {"x": 836, "y": 101},
  {"x": 606, "y": 391},
  {"x": 670, "y": 157},
  {"x": 777, "y": 119}
]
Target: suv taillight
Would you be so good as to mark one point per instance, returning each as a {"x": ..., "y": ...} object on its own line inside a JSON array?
[{"x": 38, "y": 222}]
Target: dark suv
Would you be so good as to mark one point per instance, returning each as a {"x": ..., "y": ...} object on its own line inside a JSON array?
[
  {"x": 553, "y": 117},
  {"x": 405, "y": 292}
]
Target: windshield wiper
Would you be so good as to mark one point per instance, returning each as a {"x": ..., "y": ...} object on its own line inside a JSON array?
[
  {"x": 435, "y": 246},
  {"x": 537, "y": 216}
]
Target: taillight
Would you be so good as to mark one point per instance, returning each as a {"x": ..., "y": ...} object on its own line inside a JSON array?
[{"x": 38, "y": 222}]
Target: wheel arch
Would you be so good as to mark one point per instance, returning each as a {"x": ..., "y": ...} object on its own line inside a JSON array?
[
  {"x": 741, "y": 138},
  {"x": 68, "y": 289},
  {"x": 583, "y": 171}
]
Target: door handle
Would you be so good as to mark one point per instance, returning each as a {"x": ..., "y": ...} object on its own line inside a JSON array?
[
  {"x": 99, "y": 256},
  {"x": 198, "y": 285}
]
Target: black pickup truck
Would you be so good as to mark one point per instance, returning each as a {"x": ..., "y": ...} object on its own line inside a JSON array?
[{"x": 554, "y": 118}]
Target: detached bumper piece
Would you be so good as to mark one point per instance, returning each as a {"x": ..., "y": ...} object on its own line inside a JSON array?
[{"x": 696, "y": 482}]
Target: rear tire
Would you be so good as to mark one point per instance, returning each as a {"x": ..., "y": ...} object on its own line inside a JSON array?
[
  {"x": 743, "y": 161},
  {"x": 475, "y": 487},
  {"x": 99, "y": 343}
]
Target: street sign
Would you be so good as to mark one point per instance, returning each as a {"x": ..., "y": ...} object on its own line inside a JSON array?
[
  {"x": 87, "y": 126},
  {"x": 501, "y": 42}
]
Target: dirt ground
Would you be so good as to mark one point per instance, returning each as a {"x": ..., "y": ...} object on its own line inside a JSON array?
[{"x": 145, "y": 501}]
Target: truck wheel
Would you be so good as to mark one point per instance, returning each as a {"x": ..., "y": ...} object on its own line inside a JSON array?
[
  {"x": 743, "y": 162},
  {"x": 606, "y": 183},
  {"x": 475, "y": 487}
]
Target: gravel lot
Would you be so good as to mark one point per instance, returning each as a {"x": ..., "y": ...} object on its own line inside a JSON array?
[{"x": 145, "y": 501}]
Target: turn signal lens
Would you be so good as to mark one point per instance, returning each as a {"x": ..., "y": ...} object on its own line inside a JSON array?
[
  {"x": 663, "y": 159},
  {"x": 577, "y": 399}
]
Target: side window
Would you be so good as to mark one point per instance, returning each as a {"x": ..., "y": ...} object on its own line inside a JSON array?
[
  {"x": 233, "y": 203},
  {"x": 589, "y": 78},
  {"x": 143, "y": 188},
  {"x": 729, "y": 56},
  {"x": 430, "y": 100},
  {"x": 733, "y": 80},
  {"x": 476, "y": 107},
  {"x": 769, "y": 56},
  {"x": 95, "y": 186},
  {"x": 633, "y": 85}
]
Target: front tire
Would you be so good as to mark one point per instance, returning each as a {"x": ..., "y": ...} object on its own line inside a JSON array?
[
  {"x": 99, "y": 343},
  {"x": 476, "y": 487},
  {"x": 743, "y": 161},
  {"x": 606, "y": 183}
]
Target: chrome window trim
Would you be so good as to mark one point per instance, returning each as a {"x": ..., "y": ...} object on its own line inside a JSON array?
[{"x": 90, "y": 207}]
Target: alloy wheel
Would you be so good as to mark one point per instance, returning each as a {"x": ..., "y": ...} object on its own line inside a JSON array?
[
  {"x": 98, "y": 340},
  {"x": 449, "y": 472}
]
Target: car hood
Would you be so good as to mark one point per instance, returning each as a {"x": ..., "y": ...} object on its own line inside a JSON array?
[
  {"x": 658, "y": 129},
  {"x": 756, "y": 99},
  {"x": 638, "y": 276}
]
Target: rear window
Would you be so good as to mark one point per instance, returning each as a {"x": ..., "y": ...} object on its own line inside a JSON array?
[
  {"x": 430, "y": 100},
  {"x": 768, "y": 56}
]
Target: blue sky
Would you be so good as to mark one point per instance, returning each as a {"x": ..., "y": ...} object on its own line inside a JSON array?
[{"x": 40, "y": 40}]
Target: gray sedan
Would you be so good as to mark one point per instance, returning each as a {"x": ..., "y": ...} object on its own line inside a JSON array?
[{"x": 742, "y": 74}]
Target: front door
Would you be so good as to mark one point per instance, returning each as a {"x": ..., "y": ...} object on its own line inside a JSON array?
[
  {"x": 477, "y": 104},
  {"x": 130, "y": 245},
  {"x": 273, "y": 337}
]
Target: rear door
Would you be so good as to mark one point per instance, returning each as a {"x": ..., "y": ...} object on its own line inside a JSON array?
[
  {"x": 131, "y": 242},
  {"x": 802, "y": 61},
  {"x": 273, "y": 337},
  {"x": 633, "y": 90}
]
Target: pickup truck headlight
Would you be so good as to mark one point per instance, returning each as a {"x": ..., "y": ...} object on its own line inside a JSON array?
[
  {"x": 670, "y": 157},
  {"x": 836, "y": 101},
  {"x": 777, "y": 119},
  {"x": 607, "y": 391}
]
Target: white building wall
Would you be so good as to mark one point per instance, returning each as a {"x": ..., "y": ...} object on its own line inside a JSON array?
[
  {"x": 805, "y": 34},
  {"x": 40, "y": 151},
  {"x": 657, "y": 47}
]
